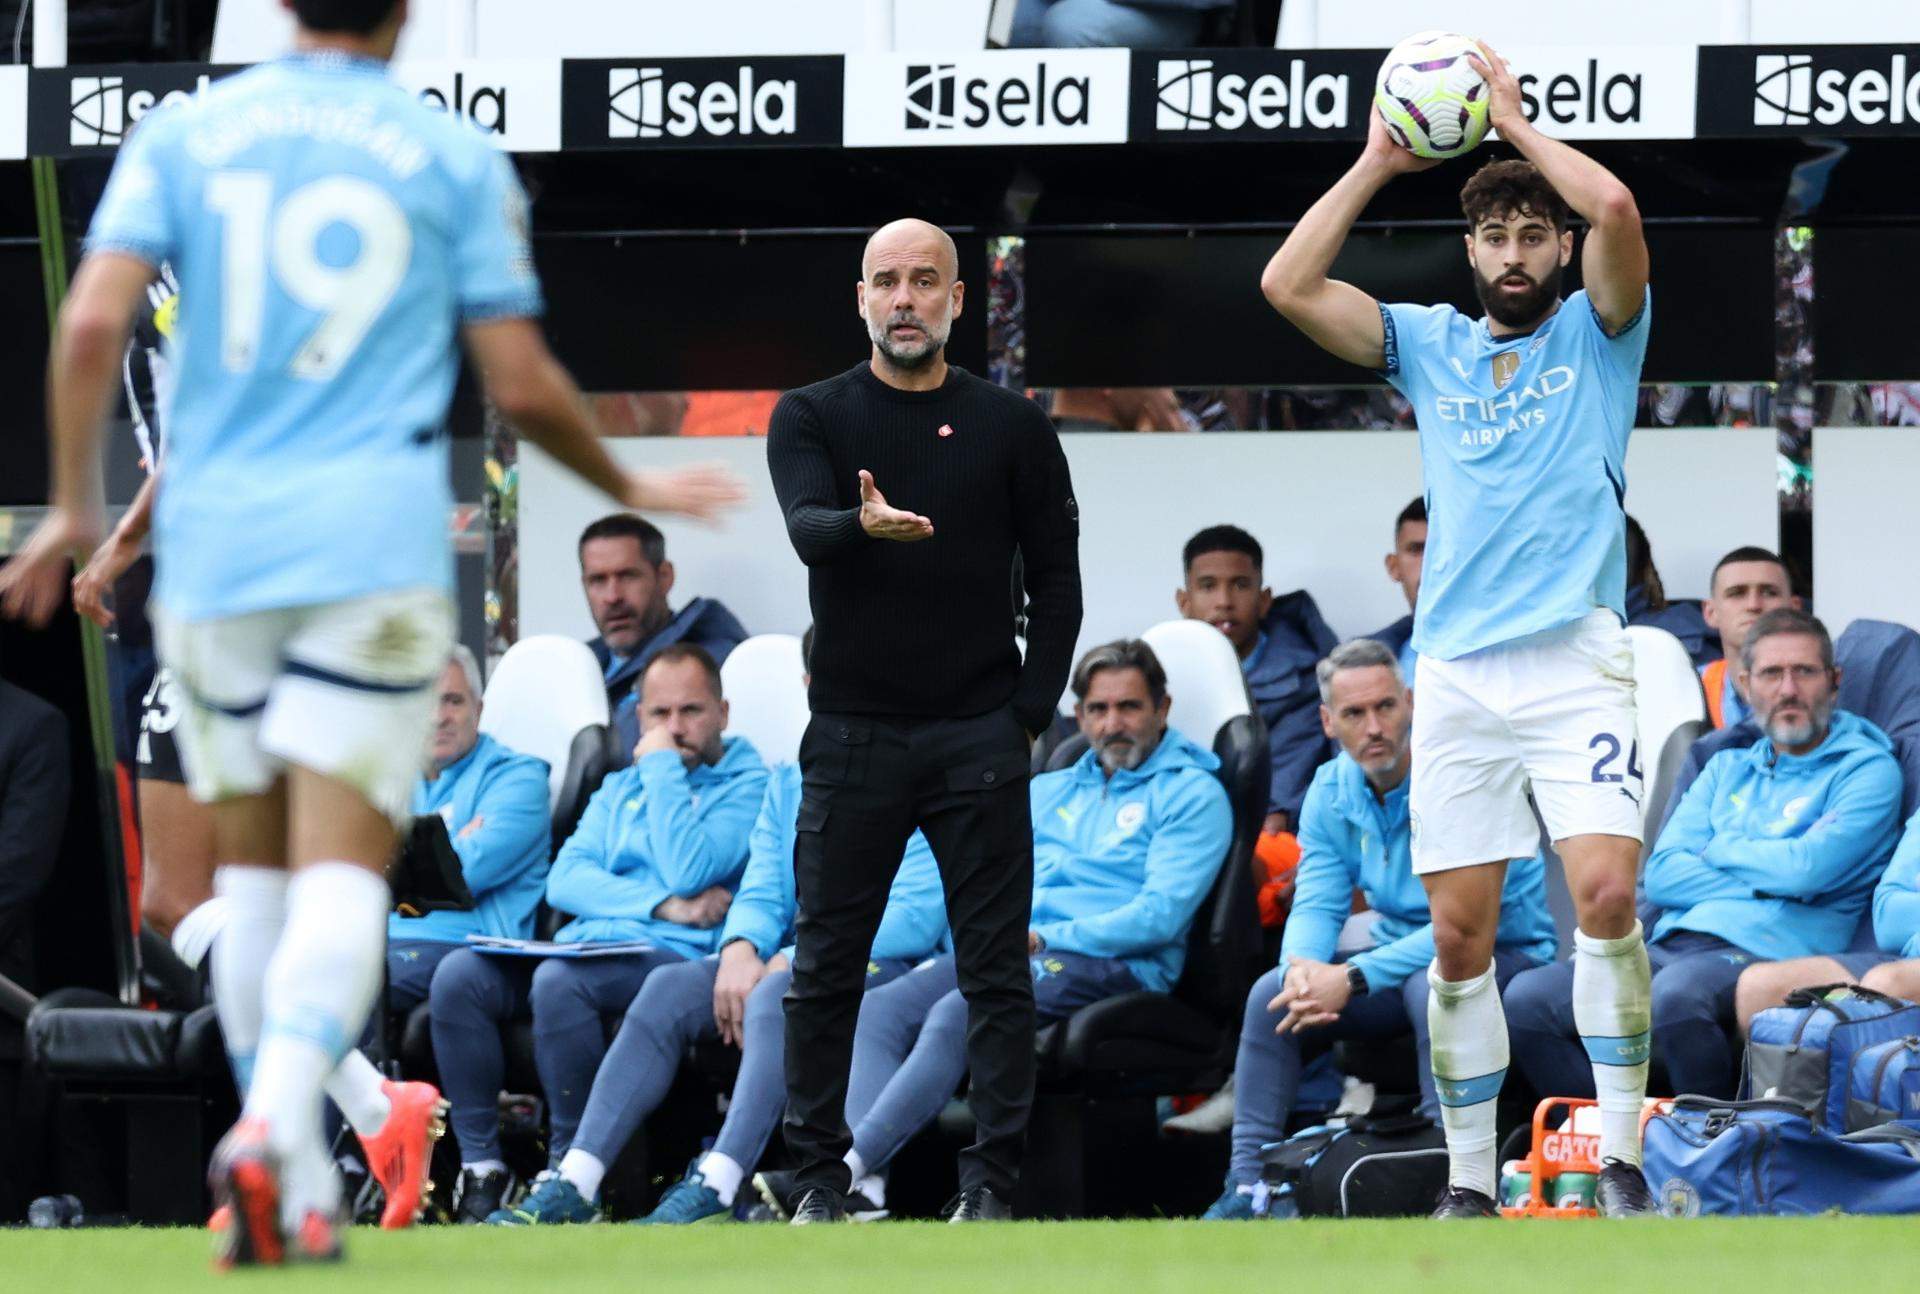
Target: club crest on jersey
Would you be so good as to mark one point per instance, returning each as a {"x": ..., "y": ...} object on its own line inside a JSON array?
[{"x": 1505, "y": 365}]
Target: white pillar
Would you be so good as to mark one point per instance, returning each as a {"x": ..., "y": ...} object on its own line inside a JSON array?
[
  {"x": 880, "y": 38},
  {"x": 49, "y": 33},
  {"x": 463, "y": 28}
]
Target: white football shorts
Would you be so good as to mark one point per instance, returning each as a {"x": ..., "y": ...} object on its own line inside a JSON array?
[
  {"x": 1553, "y": 711},
  {"x": 345, "y": 689}
]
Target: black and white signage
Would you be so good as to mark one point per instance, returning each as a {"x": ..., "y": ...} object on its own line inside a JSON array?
[
  {"x": 1203, "y": 96},
  {"x": 701, "y": 102},
  {"x": 1053, "y": 96},
  {"x": 1810, "y": 89},
  {"x": 1607, "y": 92},
  {"x": 83, "y": 111},
  {"x": 516, "y": 102}
]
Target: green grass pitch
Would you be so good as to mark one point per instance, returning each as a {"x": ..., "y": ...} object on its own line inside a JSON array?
[{"x": 1743, "y": 1256}]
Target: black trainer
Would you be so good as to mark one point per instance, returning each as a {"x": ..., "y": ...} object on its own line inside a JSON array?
[
  {"x": 978, "y": 1204},
  {"x": 1622, "y": 1192},
  {"x": 1464, "y": 1202},
  {"x": 479, "y": 1195},
  {"x": 775, "y": 1188},
  {"x": 818, "y": 1204}
]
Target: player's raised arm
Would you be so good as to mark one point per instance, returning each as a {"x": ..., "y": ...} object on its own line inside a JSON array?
[
  {"x": 538, "y": 396},
  {"x": 1614, "y": 263},
  {"x": 1338, "y": 316}
]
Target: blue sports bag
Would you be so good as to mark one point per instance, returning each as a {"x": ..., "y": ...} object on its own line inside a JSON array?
[
  {"x": 1803, "y": 1052},
  {"x": 1885, "y": 1086},
  {"x": 1745, "y": 1158}
]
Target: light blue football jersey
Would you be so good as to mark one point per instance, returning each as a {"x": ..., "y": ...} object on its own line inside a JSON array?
[
  {"x": 1523, "y": 442},
  {"x": 330, "y": 233}
]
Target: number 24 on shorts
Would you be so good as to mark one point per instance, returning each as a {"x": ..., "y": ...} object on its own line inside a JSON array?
[{"x": 1609, "y": 747}]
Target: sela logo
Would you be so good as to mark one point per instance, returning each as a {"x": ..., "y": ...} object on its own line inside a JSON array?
[
  {"x": 642, "y": 103},
  {"x": 1571, "y": 97},
  {"x": 483, "y": 106},
  {"x": 1190, "y": 94},
  {"x": 938, "y": 99},
  {"x": 945, "y": 431},
  {"x": 1789, "y": 91},
  {"x": 102, "y": 109}
]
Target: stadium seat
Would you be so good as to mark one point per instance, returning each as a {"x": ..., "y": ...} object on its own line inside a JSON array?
[
  {"x": 1672, "y": 712},
  {"x": 1109, "y": 1061},
  {"x": 766, "y": 700},
  {"x": 547, "y": 698}
]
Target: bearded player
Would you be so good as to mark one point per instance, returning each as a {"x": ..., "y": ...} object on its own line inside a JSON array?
[{"x": 1526, "y": 675}]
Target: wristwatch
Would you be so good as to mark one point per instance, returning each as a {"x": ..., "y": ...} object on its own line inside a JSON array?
[{"x": 1356, "y": 981}]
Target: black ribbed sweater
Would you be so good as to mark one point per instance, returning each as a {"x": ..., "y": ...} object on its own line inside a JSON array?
[{"x": 926, "y": 629}]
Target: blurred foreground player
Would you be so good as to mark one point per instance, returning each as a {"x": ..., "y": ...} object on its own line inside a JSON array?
[
  {"x": 1526, "y": 674},
  {"x": 329, "y": 233}
]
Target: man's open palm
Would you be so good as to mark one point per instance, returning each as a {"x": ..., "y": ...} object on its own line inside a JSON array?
[{"x": 882, "y": 521}]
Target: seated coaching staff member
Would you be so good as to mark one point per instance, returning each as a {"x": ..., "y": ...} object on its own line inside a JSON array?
[{"x": 922, "y": 708}]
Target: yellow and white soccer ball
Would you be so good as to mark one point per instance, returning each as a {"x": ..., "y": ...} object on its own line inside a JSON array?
[{"x": 1431, "y": 97}]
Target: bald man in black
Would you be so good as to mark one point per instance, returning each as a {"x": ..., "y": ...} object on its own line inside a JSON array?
[{"x": 909, "y": 486}]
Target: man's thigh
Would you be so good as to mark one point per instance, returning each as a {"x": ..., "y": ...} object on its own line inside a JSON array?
[
  {"x": 1064, "y": 982},
  {"x": 608, "y": 984},
  {"x": 856, "y": 813},
  {"x": 411, "y": 964},
  {"x": 1573, "y": 718},
  {"x": 1467, "y": 800}
]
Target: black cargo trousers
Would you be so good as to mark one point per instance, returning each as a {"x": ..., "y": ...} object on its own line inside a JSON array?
[{"x": 867, "y": 782}]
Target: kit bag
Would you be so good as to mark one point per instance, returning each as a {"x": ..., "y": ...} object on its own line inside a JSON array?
[
  {"x": 1747, "y": 1158},
  {"x": 1804, "y": 1052},
  {"x": 1392, "y": 1167}
]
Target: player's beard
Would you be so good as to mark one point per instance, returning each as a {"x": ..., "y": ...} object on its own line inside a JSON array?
[
  {"x": 913, "y": 356},
  {"x": 1511, "y": 311}
]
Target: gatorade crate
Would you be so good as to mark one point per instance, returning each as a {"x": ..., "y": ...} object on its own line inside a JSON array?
[{"x": 1564, "y": 1161}]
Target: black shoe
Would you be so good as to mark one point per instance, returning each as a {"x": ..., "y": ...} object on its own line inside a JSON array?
[
  {"x": 1622, "y": 1192},
  {"x": 479, "y": 1195},
  {"x": 1463, "y": 1202},
  {"x": 818, "y": 1204},
  {"x": 775, "y": 1188},
  {"x": 978, "y": 1204}
]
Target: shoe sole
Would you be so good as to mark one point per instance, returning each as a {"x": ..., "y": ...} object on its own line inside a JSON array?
[
  {"x": 249, "y": 1191},
  {"x": 400, "y": 1212},
  {"x": 768, "y": 1198}
]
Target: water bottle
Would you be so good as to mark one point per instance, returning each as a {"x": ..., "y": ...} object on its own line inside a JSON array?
[{"x": 53, "y": 1211}]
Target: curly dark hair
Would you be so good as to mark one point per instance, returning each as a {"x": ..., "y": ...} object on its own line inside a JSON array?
[{"x": 1501, "y": 189}]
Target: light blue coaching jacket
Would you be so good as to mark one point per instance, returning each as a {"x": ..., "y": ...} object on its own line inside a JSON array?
[
  {"x": 1779, "y": 854},
  {"x": 763, "y": 910},
  {"x": 1896, "y": 901},
  {"x": 1347, "y": 839},
  {"x": 504, "y": 860},
  {"x": 656, "y": 831},
  {"x": 1121, "y": 864}
]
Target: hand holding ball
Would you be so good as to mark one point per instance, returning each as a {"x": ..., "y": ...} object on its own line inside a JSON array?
[{"x": 1431, "y": 97}]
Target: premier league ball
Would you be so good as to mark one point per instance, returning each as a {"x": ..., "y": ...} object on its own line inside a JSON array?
[{"x": 1431, "y": 97}]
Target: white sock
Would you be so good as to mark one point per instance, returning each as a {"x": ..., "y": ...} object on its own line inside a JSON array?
[
  {"x": 723, "y": 1175},
  {"x": 1613, "y": 1012},
  {"x": 356, "y": 1087},
  {"x": 584, "y": 1170},
  {"x": 1470, "y": 1056},
  {"x": 198, "y": 929},
  {"x": 484, "y": 1166},
  {"x": 254, "y": 903},
  {"x": 856, "y": 1166},
  {"x": 874, "y": 1187},
  {"x": 319, "y": 986}
]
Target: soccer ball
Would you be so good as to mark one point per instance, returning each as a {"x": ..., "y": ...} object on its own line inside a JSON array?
[{"x": 1431, "y": 98}]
